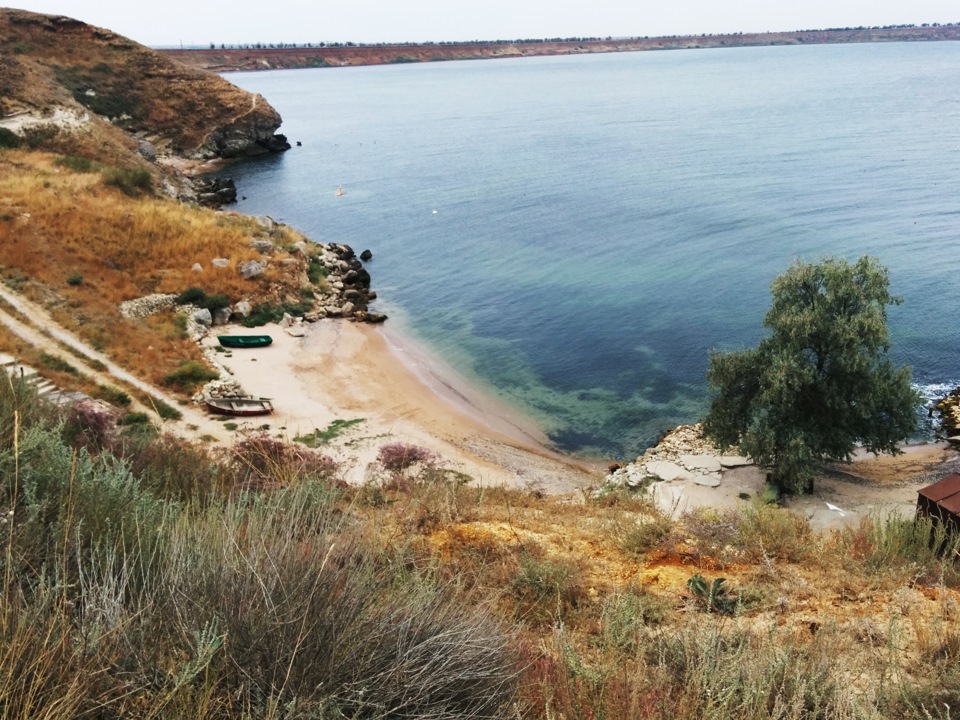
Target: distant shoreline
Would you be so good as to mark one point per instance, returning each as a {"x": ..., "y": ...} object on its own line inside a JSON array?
[{"x": 286, "y": 57}]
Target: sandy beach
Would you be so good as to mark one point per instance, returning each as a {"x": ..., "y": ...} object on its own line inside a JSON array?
[{"x": 349, "y": 371}]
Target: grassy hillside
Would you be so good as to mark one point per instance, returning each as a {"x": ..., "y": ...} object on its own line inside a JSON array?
[
  {"x": 72, "y": 240},
  {"x": 105, "y": 82},
  {"x": 144, "y": 577}
]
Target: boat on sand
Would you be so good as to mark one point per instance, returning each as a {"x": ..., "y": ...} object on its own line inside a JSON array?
[
  {"x": 239, "y": 405},
  {"x": 244, "y": 341}
]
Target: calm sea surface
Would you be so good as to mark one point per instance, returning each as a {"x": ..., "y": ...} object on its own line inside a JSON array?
[{"x": 576, "y": 233}]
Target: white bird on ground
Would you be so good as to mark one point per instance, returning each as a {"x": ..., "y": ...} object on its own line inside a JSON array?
[{"x": 843, "y": 513}]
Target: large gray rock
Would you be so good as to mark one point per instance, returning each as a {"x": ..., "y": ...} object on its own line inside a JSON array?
[
  {"x": 242, "y": 309},
  {"x": 703, "y": 463},
  {"x": 347, "y": 308},
  {"x": 668, "y": 471},
  {"x": 734, "y": 461},
  {"x": 221, "y": 316},
  {"x": 203, "y": 317},
  {"x": 264, "y": 247},
  {"x": 252, "y": 269},
  {"x": 708, "y": 479}
]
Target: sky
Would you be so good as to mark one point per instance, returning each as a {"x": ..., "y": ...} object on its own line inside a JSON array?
[{"x": 200, "y": 22}]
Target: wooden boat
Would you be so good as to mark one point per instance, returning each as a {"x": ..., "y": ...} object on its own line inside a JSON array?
[
  {"x": 239, "y": 405},
  {"x": 244, "y": 341}
]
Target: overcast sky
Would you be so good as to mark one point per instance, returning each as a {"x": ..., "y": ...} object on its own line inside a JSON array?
[{"x": 196, "y": 22}]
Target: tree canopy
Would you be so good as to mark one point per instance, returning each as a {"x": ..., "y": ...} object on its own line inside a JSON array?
[{"x": 820, "y": 383}]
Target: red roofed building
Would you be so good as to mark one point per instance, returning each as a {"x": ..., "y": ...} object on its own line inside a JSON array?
[{"x": 941, "y": 501}]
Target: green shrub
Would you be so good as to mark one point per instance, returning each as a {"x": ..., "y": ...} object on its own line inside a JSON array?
[
  {"x": 189, "y": 375},
  {"x": 163, "y": 409},
  {"x": 112, "y": 396},
  {"x": 191, "y": 296},
  {"x": 316, "y": 271},
  {"x": 75, "y": 279},
  {"x": 78, "y": 164},
  {"x": 262, "y": 314},
  {"x": 130, "y": 181},
  {"x": 134, "y": 418},
  {"x": 55, "y": 363},
  {"x": 9, "y": 139}
]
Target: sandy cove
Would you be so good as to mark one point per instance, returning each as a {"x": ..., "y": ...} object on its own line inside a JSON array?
[{"x": 347, "y": 371}]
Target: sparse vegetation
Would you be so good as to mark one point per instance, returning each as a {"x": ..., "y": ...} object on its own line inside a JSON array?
[
  {"x": 533, "y": 594},
  {"x": 333, "y": 430},
  {"x": 190, "y": 375},
  {"x": 130, "y": 181}
]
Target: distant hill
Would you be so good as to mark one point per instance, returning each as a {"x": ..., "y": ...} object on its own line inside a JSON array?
[
  {"x": 70, "y": 87},
  {"x": 269, "y": 57}
]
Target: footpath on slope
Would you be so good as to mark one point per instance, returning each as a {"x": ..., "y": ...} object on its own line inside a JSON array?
[{"x": 46, "y": 341}]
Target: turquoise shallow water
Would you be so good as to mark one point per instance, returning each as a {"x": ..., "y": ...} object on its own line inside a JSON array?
[{"x": 576, "y": 233}]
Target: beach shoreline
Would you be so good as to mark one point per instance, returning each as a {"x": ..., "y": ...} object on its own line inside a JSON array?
[{"x": 396, "y": 391}]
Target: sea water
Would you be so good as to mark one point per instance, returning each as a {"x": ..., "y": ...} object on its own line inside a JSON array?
[{"x": 576, "y": 234}]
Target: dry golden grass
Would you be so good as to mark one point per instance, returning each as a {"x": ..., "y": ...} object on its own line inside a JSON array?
[{"x": 81, "y": 248}]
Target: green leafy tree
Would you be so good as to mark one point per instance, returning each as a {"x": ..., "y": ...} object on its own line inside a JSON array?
[{"x": 820, "y": 384}]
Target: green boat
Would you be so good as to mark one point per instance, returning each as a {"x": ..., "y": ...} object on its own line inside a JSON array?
[{"x": 244, "y": 341}]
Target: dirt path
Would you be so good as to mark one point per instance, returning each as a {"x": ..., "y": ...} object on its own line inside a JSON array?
[{"x": 46, "y": 340}]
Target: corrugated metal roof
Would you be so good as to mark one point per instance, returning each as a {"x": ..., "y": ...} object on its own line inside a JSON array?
[{"x": 945, "y": 493}]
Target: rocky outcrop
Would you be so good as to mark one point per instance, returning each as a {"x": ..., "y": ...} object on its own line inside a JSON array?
[
  {"x": 949, "y": 409},
  {"x": 682, "y": 455},
  {"x": 149, "y": 109},
  {"x": 253, "y": 133},
  {"x": 349, "y": 293},
  {"x": 215, "y": 191}
]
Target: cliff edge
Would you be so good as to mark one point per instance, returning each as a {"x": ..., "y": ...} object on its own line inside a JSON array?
[{"x": 68, "y": 86}]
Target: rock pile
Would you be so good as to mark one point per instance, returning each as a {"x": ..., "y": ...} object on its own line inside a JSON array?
[
  {"x": 349, "y": 283},
  {"x": 148, "y": 305},
  {"x": 949, "y": 409},
  {"x": 219, "y": 389},
  {"x": 682, "y": 455}
]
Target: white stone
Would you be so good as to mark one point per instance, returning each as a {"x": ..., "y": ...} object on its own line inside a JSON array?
[
  {"x": 708, "y": 463},
  {"x": 708, "y": 479},
  {"x": 220, "y": 262},
  {"x": 197, "y": 267},
  {"x": 732, "y": 461},
  {"x": 296, "y": 331},
  {"x": 203, "y": 317},
  {"x": 668, "y": 471}
]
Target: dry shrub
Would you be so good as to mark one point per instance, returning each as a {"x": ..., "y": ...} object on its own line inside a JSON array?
[
  {"x": 171, "y": 467},
  {"x": 261, "y": 460},
  {"x": 91, "y": 425},
  {"x": 398, "y": 456},
  {"x": 769, "y": 531},
  {"x": 546, "y": 589},
  {"x": 902, "y": 549},
  {"x": 639, "y": 535}
]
